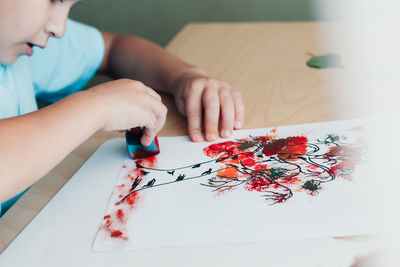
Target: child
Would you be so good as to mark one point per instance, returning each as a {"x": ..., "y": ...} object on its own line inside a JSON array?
[{"x": 33, "y": 141}]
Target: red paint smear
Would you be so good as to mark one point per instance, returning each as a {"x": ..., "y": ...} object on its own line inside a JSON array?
[
  {"x": 147, "y": 162},
  {"x": 339, "y": 170},
  {"x": 120, "y": 215},
  {"x": 224, "y": 150},
  {"x": 290, "y": 180},
  {"x": 336, "y": 168},
  {"x": 248, "y": 159},
  {"x": 132, "y": 198},
  {"x": 113, "y": 233},
  {"x": 348, "y": 158},
  {"x": 295, "y": 147},
  {"x": 215, "y": 150},
  {"x": 137, "y": 173},
  {"x": 313, "y": 167},
  {"x": 260, "y": 167},
  {"x": 349, "y": 153},
  {"x": 116, "y": 234},
  {"x": 280, "y": 199},
  {"x": 113, "y": 223},
  {"x": 273, "y": 148},
  {"x": 258, "y": 184},
  {"x": 145, "y": 153},
  {"x": 287, "y": 148}
]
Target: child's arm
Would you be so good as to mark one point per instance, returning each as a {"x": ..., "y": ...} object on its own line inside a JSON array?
[
  {"x": 194, "y": 91},
  {"x": 34, "y": 143}
]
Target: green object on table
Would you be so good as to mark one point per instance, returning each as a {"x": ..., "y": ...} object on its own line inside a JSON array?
[{"x": 325, "y": 61}]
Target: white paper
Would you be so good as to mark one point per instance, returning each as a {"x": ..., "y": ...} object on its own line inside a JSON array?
[{"x": 178, "y": 201}]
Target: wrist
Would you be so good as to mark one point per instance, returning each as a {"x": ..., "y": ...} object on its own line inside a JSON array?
[{"x": 96, "y": 105}]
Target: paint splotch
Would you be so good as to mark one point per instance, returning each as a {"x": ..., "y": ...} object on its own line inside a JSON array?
[
  {"x": 114, "y": 224},
  {"x": 277, "y": 167}
]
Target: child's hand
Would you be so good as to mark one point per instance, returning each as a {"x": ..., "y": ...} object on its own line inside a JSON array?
[
  {"x": 131, "y": 104},
  {"x": 223, "y": 106}
]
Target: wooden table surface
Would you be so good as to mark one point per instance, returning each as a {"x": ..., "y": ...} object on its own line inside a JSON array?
[{"x": 265, "y": 61}]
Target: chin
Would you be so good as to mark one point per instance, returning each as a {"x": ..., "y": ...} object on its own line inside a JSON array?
[{"x": 8, "y": 60}]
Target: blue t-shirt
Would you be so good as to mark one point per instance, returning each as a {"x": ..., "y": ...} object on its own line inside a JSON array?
[{"x": 62, "y": 68}]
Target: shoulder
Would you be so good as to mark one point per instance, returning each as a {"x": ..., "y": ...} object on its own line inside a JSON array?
[{"x": 77, "y": 32}]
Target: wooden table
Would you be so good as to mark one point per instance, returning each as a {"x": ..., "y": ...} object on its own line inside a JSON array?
[{"x": 265, "y": 61}]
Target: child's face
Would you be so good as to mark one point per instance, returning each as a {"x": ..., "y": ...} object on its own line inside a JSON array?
[{"x": 28, "y": 23}]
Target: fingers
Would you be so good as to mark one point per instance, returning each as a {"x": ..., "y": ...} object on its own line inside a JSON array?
[
  {"x": 194, "y": 112},
  {"x": 148, "y": 136},
  {"x": 158, "y": 108},
  {"x": 128, "y": 104},
  {"x": 206, "y": 102},
  {"x": 230, "y": 114},
  {"x": 153, "y": 93},
  {"x": 159, "y": 112},
  {"x": 227, "y": 111},
  {"x": 222, "y": 106},
  {"x": 211, "y": 104},
  {"x": 239, "y": 109}
]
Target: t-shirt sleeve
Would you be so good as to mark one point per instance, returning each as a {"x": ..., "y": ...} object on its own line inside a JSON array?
[{"x": 67, "y": 64}]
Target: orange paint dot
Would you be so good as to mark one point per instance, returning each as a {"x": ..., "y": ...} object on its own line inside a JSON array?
[{"x": 228, "y": 173}]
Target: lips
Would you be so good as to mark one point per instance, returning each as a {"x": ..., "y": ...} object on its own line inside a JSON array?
[{"x": 29, "y": 49}]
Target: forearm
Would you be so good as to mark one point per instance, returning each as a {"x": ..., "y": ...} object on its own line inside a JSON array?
[
  {"x": 34, "y": 143},
  {"x": 135, "y": 58},
  {"x": 206, "y": 102}
]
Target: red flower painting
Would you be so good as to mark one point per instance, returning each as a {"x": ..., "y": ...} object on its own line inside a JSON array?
[{"x": 272, "y": 168}]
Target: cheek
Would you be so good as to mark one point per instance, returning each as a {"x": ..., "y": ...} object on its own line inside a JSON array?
[
  {"x": 12, "y": 31},
  {"x": 28, "y": 24},
  {"x": 12, "y": 43}
]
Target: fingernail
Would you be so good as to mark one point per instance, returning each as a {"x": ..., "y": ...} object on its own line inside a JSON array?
[
  {"x": 145, "y": 142},
  {"x": 225, "y": 133},
  {"x": 212, "y": 137},
  {"x": 238, "y": 124},
  {"x": 197, "y": 137}
]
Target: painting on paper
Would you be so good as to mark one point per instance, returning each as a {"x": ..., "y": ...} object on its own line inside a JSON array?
[{"x": 290, "y": 182}]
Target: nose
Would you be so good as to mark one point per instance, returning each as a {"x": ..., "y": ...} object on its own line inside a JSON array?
[{"x": 55, "y": 26}]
